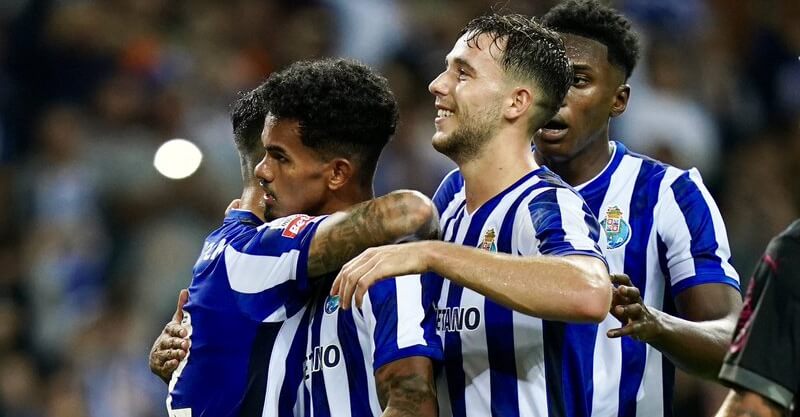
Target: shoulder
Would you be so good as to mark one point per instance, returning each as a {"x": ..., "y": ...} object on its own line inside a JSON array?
[{"x": 452, "y": 183}]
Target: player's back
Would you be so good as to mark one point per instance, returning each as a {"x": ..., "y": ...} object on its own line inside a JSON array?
[{"x": 232, "y": 340}]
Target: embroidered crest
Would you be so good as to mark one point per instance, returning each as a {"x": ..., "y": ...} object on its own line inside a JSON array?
[
  {"x": 617, "y": 229},
  {"x": 331, "y": 304},
  {"x": 488, "y": 242}
]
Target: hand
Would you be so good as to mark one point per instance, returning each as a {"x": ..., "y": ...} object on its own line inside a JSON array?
[
  {"x": 172, "y": 345},
  {"x": 628, "y": 307},
  {"x": 235, "y": 204},
  {"x": 375, "y": 264}
]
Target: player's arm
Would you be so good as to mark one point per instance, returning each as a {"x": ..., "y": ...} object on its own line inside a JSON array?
[
  {"x": 400, "y": 215},
  {"x": 697, "y": 340},
  {"x": 572, "y": 288},
  {"x": 707, "y": 301},
  {"x": 171, "y": 346},
  {"x": 744, "y": 403},
  {"x": 406, "y": 387}
]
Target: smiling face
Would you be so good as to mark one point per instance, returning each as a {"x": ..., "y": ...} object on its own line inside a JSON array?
[
  {"x": 469, "y": 96},
  {"x": 598, "y": 93},
  {"x": 291, "y": 174}
]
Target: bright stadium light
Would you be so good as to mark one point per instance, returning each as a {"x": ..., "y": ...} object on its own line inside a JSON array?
[{"x": 177, "y": 159}]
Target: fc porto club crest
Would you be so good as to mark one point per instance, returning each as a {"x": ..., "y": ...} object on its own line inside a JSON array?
[
  {"x": 488, "y": 242},
  {"x": 617, "y": 229},
  {"x": 331, "y": 304}
]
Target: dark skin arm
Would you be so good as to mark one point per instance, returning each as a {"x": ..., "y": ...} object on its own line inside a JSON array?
[
  {"x": 406, "y": 388},
  {"x": 744, "y": 403},
  {"x": 171, "y": 345},
  {"x": 698, "y": 340},
  {"x": 400, "y": 215}
]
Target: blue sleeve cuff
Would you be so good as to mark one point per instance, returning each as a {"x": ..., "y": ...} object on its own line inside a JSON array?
[
  {"x": 696, "y": 280},
  {"x": 433, "y": 352}
]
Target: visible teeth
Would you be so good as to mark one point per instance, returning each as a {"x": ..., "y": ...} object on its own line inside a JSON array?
[{"x": 444, "y": 113}]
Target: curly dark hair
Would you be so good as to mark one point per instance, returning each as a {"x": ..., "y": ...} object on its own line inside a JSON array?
[
  {"x": 344, "y": 108},
  {"x": 247, "y": 116},
  {"x": 594, "y": 20},
  {"x": 530, "y": 52}
]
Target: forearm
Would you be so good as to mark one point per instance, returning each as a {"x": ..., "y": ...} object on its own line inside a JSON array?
[
  {"x": 572, "y": 288},
  {"x": 406, "y": 389},
  {"x": 696, "y": 347},
  {"x": 749, "y": 404},
  {"x": 390, "y": 218}
]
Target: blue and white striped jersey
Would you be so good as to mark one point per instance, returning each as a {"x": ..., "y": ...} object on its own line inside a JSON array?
[
  {"x": 497, "y": 361},
  {"x": 662, "y": 228},
  {"x": 345, "y": 348},
  {"x": 250, "y": 277}
]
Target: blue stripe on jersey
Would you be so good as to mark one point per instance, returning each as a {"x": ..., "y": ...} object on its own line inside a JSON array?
[
  {"x": 319, "y": 397},
  {"x": 456, "y": 379},
  {"x": 293, "y": 378},
  {"x": 380, "y": 294},
  {"x": 253, "y": 403},
  {"x": 634, "y": 353},
  {"x": 500, "y": 325},
  {"x": 668, "y": 306},
  {"x": 459, "y": 214},
  {"x": 596, "y": 190},
  {"x": 546, "y": 218},
  {"x": 354, "y": 360},
  {"x": 553, "y": 335},
  {"x": 704, "y": 240},
  {"x": 450, "y": 185}
]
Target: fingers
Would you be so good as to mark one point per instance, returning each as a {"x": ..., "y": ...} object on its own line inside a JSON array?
[
  {"x": 235, "y": 204},
  {"x": 350, "y": 275},
  {"x": 175, "y": 330},
  {"x": 621, "y": 279},
  {"x": 183, "y": 297}
]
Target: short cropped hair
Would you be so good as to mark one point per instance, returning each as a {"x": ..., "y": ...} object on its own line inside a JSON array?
[
  {"x": 530, "y": 52},
  {"x": 344, "y": 108},
  {"x": 594, "y": 20}
]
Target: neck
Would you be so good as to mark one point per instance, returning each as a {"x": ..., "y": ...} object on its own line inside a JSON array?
[
  {"x": 586, "y": 164},
  {"x": 347, "y": 197},
  {"x": 502, "y": 162},
  {"x": 253, "y": 200}
]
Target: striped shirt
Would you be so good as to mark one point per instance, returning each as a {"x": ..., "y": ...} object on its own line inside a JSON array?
[
  {"x": 497, "y": 361},
  {"x": 662, "y": 228},
  {"x": 345, "y": 348},
  {"x": 250, "y": 277}
]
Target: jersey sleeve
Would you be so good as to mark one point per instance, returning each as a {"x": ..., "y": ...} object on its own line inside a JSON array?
[
  {"x": 400, "y": 320},
  {"x": 693, "y": 236},
  {"x": 448, "y": 188},
  {"x": 563, "y": 224},
  {"x": 268, "y": 269},
  {"x": 764, "y": 356}
]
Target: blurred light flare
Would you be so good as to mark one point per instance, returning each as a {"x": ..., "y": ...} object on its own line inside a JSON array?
[{"x": 177, "y": 159}]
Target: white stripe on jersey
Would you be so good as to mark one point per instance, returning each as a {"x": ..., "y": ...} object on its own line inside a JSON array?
[
  {"x": 607, "y": 366},
  {"x": 409, "y": 307},
  {"x": 631, "y": 182},
  {"x": 250, "y": 274},
  {"x": 277, "y": 366}
]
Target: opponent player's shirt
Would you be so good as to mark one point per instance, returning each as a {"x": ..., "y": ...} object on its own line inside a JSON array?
[
  {"x": 498, "y": 362},
  {"x": 250, "y": 277},
  {"x": 346, "y": 347},
  {"x": 764, "y": 356},
  {"x": 661, "y": 227}
]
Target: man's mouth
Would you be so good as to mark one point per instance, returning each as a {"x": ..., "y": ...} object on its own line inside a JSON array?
[{"x": 554, "y": 130}]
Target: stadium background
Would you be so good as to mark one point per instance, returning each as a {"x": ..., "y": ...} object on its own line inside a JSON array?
[{"x": 95, "y": 243}]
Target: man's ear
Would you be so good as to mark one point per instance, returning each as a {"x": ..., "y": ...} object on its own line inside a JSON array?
[
  {"x": 620, "y": 100},
  {"x": 341, "y": 171},
  {"x": 521, "y": 99}
]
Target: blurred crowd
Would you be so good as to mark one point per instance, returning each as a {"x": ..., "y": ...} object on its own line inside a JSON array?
[{"x": 95, "y": 244}]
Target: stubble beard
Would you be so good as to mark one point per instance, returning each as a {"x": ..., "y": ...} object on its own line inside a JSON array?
[{"x": 468, "y": 140}]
